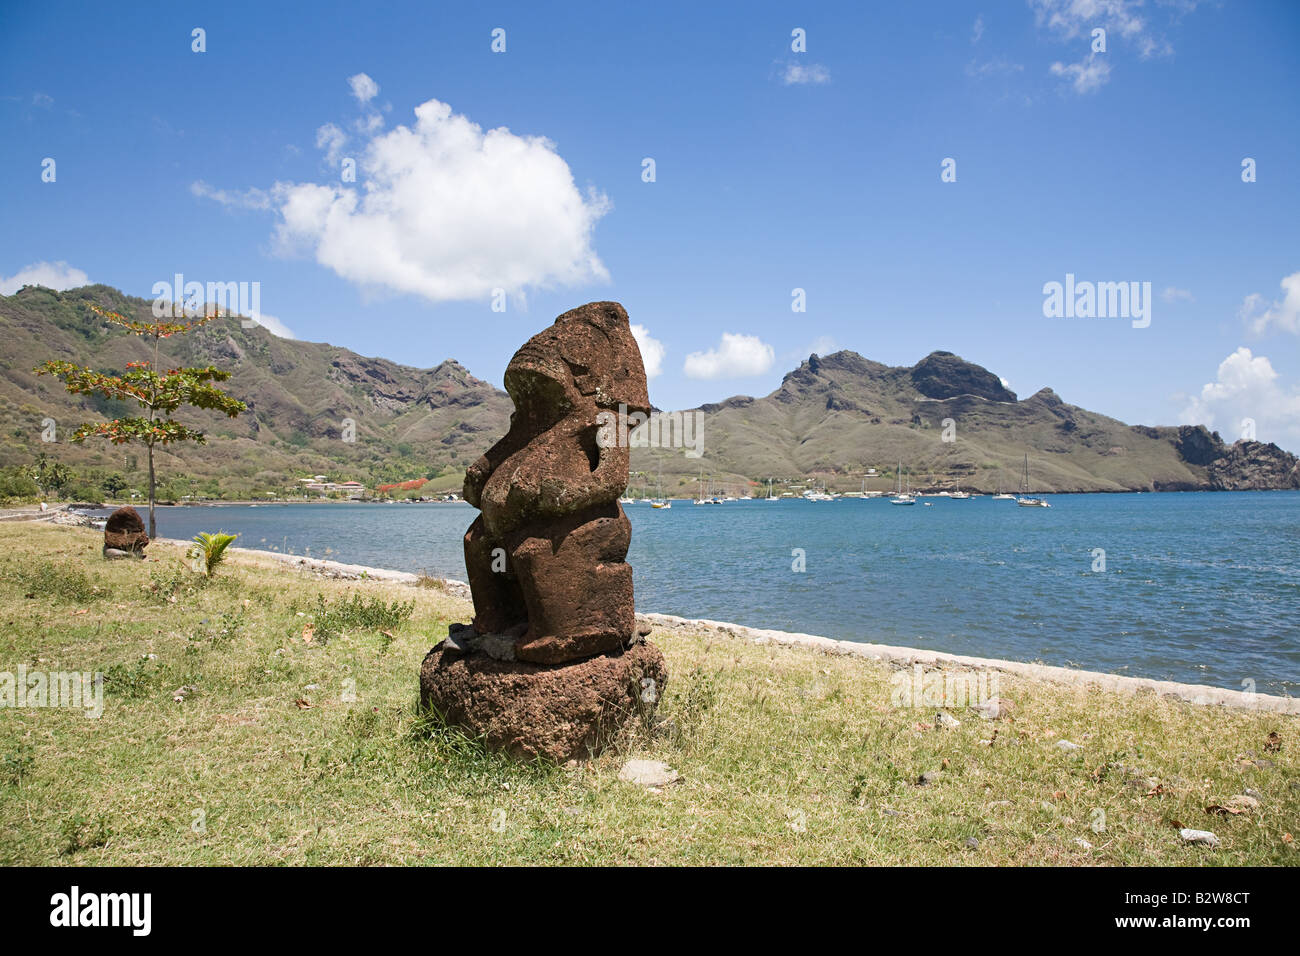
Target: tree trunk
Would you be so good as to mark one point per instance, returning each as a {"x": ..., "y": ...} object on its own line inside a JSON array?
[{"x": 153, "y": 531}]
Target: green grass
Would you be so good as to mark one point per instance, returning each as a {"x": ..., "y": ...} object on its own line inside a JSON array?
[{"x": 786, "y": 756}]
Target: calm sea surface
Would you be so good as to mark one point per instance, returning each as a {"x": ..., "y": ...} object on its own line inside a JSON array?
[{"x": 1197, "y": 587}]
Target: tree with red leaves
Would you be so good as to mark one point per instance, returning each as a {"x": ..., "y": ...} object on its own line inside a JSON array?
[{"x": 157, "y": 393}]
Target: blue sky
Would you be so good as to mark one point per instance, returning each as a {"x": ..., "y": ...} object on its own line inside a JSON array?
[{"x": 774, "y": 170}]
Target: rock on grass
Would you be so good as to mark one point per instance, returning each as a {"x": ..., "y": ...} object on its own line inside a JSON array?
[
  {"x": 648, "y": 773},
  {"x": 1198, "y": 836}
]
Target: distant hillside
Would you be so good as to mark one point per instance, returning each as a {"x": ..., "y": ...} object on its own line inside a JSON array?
[
  {"x": 831, "y": 419},
  {"x": 408, "y": 422},
  {"x": 835, "y": 416}
]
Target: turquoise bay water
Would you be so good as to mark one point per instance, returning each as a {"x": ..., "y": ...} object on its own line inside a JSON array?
[{"x": 1198, "y": 587}]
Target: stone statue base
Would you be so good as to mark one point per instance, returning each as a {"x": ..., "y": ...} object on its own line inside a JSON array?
[{"x": 558, "y": 712}]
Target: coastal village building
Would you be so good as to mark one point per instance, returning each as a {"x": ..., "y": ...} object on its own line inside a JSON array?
[{"x": 322, "y": 486}]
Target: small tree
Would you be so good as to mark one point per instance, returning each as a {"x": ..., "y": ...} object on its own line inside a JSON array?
[
  {"x": 209, "y": 550},
  {"x": 158, "y": 393},
  {"x": 50, "y": 474}
]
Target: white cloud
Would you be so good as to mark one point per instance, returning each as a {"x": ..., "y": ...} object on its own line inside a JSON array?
[
  {"x": 363, "y": 88},
  {"x": 1070, "y": 19},
  {"x": 1174, "y": 294},
  {"x": 331, "y": 139},
  {"x": 822, "y": 345},
  {"x": 371, "y": 122},
  {"x": 1284, "y": 313},
  {"x": 1247, "y": 387},
  {"x": 273, "y": 325},
  {"x": 1150, "y": 46},
  {"x": 53, "y": 275},
  {"x": 238, "y": 199},
  {"x": 448, "y": 212},
  {"x": 1086, "y": 76},
  {"x": 652, "y": 350},
  {"x": 797, "y": 74},
  {"x": 977, "y": 30},
  {"x": 735, "y": 357}
]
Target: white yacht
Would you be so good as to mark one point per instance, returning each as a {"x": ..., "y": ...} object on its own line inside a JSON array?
[
  {"x": 1025, "y": 501},
  {"x": 902, "y": 497}
]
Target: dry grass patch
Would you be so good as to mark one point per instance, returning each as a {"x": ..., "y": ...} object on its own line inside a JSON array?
[{"x": 288, "y": 749}]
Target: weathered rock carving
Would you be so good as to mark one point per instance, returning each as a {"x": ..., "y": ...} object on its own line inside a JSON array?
[
  {"x": 553, "y": 659},
  {"x": 124, "y": 534}
]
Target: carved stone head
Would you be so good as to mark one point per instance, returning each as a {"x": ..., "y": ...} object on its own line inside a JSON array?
[{"x": 587, "y": 360}]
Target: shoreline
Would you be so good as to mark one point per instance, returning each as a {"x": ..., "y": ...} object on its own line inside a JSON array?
[
  {"x": 901, "y": 657},
  {"x": 30, "y": 510}
]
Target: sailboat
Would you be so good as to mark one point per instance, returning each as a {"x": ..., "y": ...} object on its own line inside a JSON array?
[
  {"x": 1002, "y": 495},
  {"x": 957, "y": 492},
  {"x": 702, "y": 499},
  {"x": 901, "y": 497},
  {"x": 817, "y": 494},
  {"x": 769, "y": 491},
  {"x": 1024, "y": 500},
  {"x": 659, "y": 501}
]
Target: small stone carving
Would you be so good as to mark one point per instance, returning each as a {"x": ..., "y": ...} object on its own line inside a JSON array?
[{"x": 124, "y": 534}]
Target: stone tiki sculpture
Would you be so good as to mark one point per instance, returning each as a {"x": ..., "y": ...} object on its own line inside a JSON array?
[
  {"x": 553, "y": 661},
  {"x": 124, "y": 534}
]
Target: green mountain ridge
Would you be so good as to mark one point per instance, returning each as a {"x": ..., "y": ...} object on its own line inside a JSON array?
[
  {"x": 837, "y": 415},
  {"x": 301, "y": 397},
  {"x": 830, "y": 420}
]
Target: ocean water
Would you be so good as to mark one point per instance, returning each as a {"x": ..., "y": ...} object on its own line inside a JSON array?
[{"x": 1197, "y": 587}]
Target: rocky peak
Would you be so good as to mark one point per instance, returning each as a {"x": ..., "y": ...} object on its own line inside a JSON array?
[
  {"x": 736, "y": 401},
  {"x": 1254, "y": 466},
  {"x": 1197, "y": 445},
  {"x": 817, "y": 373},
  {"x": 945, "y": 375}
]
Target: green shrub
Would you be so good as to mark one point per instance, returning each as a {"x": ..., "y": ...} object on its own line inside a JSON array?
[
  {"x": 228, "y": 625},
  {"x": 83, "y": 833},
  {"x": 83, "y": 489},
  {"x": 357, "y": 614},
  {"x": 60, "y": 582},
  {"x": 137, "y": 680},
  {"x": 15, "y": 483},
  {"x": 172, "y": 581},
  {"x": 17, "y": 764}
]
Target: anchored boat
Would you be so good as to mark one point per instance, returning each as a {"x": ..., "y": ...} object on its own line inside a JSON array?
[{"x": 1025, "y": 501}]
